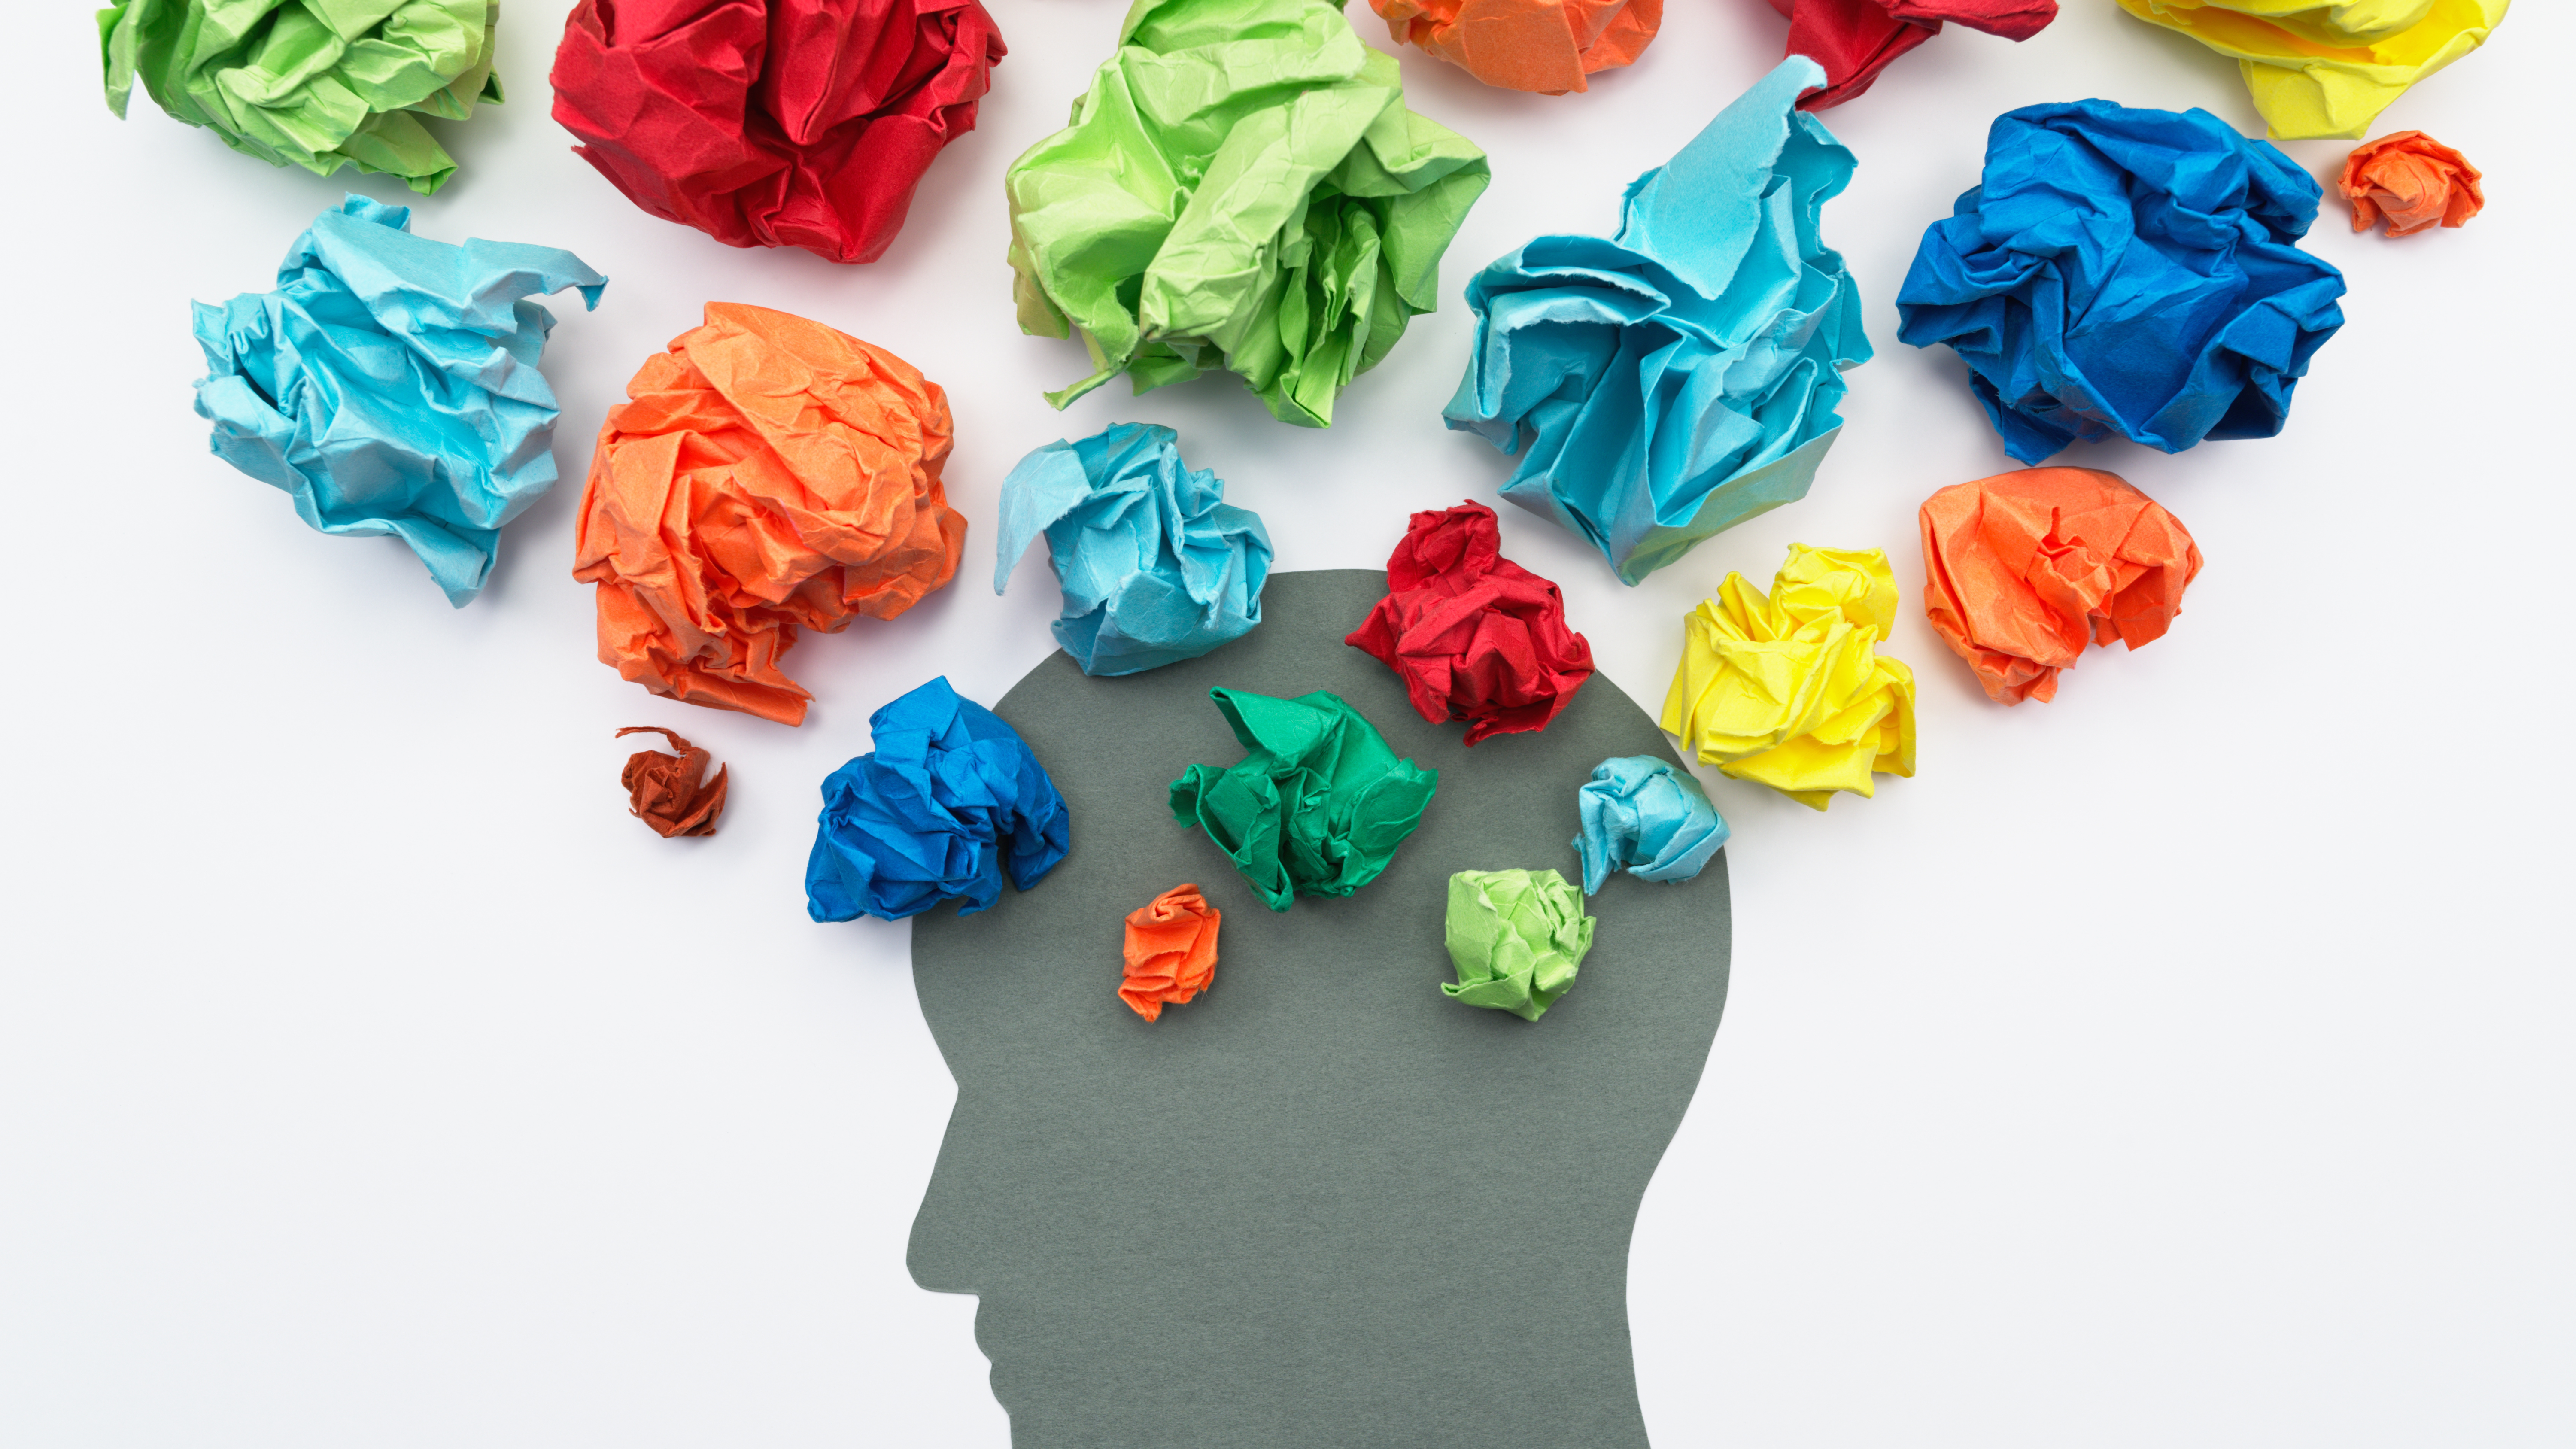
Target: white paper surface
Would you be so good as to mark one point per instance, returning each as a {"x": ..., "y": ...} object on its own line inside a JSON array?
[{"x": 2184, "y": 1090}]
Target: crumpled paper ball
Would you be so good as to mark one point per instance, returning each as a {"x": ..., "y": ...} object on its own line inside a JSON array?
[
  {"x": 1170, "y": 950},
  {"x": 2414, "y": 181},
  {"x": 948, "y": 800},
  {"x": 1788, "y": 690},
  {"x": 1155, "y": 566},
  {"x": 2126, "y": 271},
  {"x": 1648, "y": 817},
  {"x": 2328, "y": 67},
  {"x": 315, "y": 85},
  {"x": 2021, "y": 570},
  {"x": 1474, "y": 636},
  {"x": 1516, "y": 937},
  {"x": 1855, "y": 39},
  {"x": 390, "y": 384},
  {"x": 1546, "y": 46},
  {"x": 1243, "y": 187},
  {"x": 766, "y": 474},
  {"x": 1681, "y": 378},
  {"x": 1316, "y": 806},
  {"x": 670, "y": 792},
  {"x": 766, "y": 123}
]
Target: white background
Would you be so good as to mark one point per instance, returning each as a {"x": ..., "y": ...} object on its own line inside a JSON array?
[{"x": 2182, "y": 1062}]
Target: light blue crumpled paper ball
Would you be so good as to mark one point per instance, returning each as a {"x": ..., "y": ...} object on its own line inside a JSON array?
[
  {"x": 1156, "y": 567},
  {"x": 1645, "y": 816},
  {"x": 1674, "y": 381},
  {"x": 390, "y": 384}
]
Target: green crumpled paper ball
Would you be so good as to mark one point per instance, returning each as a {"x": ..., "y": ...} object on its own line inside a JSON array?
[
  {"x": 1516, "y": 937},
  {"x": 319, "y": 84},
  {"x": 1242, "y": 187},
  {"x": 1316, "y": 806}
]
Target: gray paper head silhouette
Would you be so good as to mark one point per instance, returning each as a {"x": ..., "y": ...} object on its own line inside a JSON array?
[{"x": 1322, "y": 1204}]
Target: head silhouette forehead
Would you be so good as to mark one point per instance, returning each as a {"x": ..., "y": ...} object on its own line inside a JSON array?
[{"x": 1321, "y": 1204}]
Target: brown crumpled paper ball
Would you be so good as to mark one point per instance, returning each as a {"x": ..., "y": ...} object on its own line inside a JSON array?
[{"x": 671, "y": 792}]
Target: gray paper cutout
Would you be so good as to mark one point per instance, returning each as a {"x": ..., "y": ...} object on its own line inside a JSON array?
[{"x": 1321, "y": 1205}]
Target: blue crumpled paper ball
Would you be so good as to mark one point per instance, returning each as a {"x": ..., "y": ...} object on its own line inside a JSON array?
[
  {"x": 1677, "y": 380},
  {"x": 1156, "y": 567},
  {"x": 390, "y": 384},
  {"x": 1644, "y": 815},
  {"x": 949, "y": 799},
  {"x": 2126, "y": 271}
]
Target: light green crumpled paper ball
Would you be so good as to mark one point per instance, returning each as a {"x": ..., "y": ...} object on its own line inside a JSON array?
[
  {"x": 319, "y": 84},
  {"x": 1242, "y": 187},
  {"x": 1516, "y": 937}
]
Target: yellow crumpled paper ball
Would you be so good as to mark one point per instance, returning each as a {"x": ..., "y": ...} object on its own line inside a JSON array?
[
  {"x": 1790, "y": 690},
  {"x": 2329, "y": 67}
]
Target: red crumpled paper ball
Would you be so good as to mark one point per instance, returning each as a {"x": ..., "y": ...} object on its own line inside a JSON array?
[
  {"x": 2414, "y": 181},
  {"x": 1475, "y": 636},
  {"x": 2023, "y": 569},
  {"x": 1855, "y": 39},
  {"x": 803, "y": 123},
  {"x": 671, "y": 792}
]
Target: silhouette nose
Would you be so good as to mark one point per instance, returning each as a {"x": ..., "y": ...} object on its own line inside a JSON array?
[{"x": 954, "y": 1236}]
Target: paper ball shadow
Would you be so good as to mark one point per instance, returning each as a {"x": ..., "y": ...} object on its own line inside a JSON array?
[{"x": 1321, "y": 1205}]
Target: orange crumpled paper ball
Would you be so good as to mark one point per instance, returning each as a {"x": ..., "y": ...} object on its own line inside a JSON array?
[
  {"x": 1546, "y": 46},
  {"x": 2414, "y": 181},
  {"x": 671, "y": 792},
  {"x": 1171, "y": 950},
  {"x": 2021, "y": 569},
  {"x": 766, "y": 474}
]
